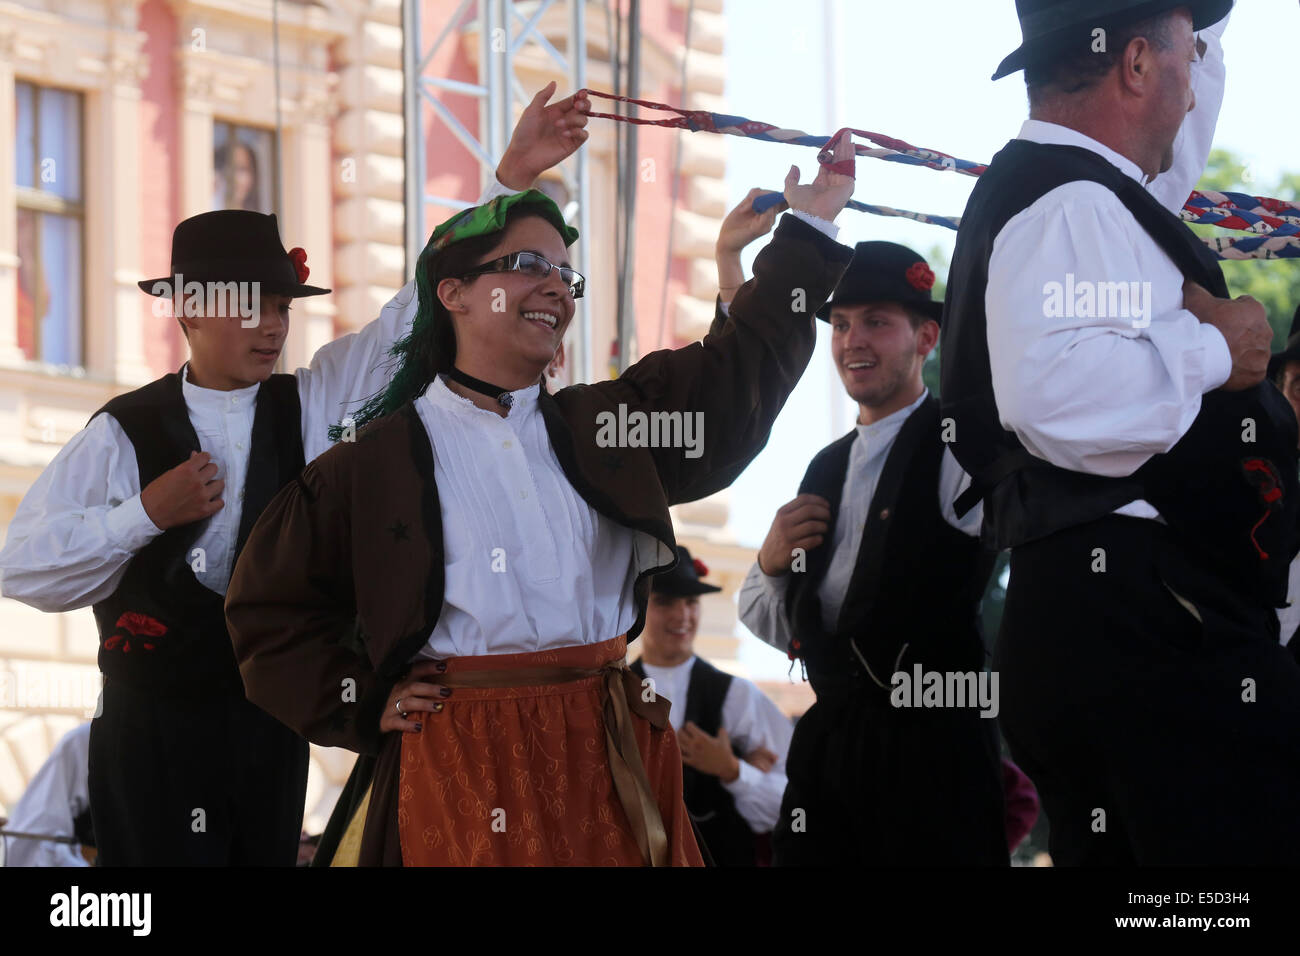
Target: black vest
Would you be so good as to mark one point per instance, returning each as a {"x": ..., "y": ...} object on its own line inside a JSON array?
[
  {"x": 161, "y": 629},
  {"x": 917, "y": 582},
  {"x": 726, "y": 834},
  {"x": 1230, "y": 504}
]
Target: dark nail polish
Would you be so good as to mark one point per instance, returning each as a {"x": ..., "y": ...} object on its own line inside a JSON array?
[
  {"x": 437, "y": 708},
  {"x": 419, "y": 726},
  {"x": 442, "y": 666},
  {"x": 445, "y": 691}
]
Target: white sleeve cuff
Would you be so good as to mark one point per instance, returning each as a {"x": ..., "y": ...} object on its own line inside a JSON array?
[
  {"x": 829, "y": 229},
  {"x": 497, "y": 188},
  {"x": 749, "y": 776},
  {"x": 129, "y": 526},
  {"x": 775, "y": 585},
  {"x": 1218, "y": 358}
]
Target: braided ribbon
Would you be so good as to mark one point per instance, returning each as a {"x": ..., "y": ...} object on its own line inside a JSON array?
[{"x": 1275, "y": 223}]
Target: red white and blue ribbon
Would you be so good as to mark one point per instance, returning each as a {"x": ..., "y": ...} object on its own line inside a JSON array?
[{"x": 1275, "y": 223}]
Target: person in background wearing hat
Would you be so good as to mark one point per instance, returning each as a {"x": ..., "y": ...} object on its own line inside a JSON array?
[
  {"x": 1284, "y": 371},
  {"x": 493, "y": 544},
  {"x": 868, "y": 571},
  {"x": 1131, "y": 456},
  {"x": 733, "y": 739},
  {"x": 143, "y": 513}
]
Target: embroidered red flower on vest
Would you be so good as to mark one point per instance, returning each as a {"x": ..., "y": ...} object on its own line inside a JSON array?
[
  {"x": 1263, "y": 476},
  {"x": 920, "y": 277},
  {"x": 299, "y": 257},
  {"x": 136, "y": 625},
  {"x": 701, "y": 568}
]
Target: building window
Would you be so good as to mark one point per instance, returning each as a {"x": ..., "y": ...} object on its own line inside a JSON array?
[
  {"x": 51, "y": 225},
  {"x": 242, "y": 164}
]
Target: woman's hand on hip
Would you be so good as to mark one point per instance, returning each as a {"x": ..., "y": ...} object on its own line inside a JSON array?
[{"x": 414, "y": 696}]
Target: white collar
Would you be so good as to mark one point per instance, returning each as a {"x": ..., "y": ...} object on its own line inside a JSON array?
[
  {"x": 198, "y": 396},
  {"x": 440, "y": 396},
  {"x": 673, "y": 669},
  {"x": 1053, "y": 134},
  {"x": 874, "y": 438}
]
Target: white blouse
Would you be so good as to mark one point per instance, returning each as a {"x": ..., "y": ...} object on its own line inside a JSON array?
[{"x": 529, "y": 564}]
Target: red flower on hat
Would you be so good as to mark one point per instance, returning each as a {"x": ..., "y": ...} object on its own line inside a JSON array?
[
  {"x": 920, "y": 277},
  {"x": 701, "y": 568},
  {"x": 299, "y": 257}
]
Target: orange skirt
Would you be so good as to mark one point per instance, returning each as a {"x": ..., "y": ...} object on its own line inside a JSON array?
[{"x": 520, "y": 776}]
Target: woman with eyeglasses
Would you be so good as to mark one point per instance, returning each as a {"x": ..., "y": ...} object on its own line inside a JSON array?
[{"x": 450, "y": 590}]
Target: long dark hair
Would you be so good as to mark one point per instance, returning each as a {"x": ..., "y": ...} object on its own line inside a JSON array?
[{"x": 430, "y": 347}]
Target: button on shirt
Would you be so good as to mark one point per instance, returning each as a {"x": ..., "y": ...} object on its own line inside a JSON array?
[
  {"x": 529, "y": 564},
  {"x": 223, "y": 422},
  {"x": 762, "y": 598},
  {"x": 1102, "y": 394}
]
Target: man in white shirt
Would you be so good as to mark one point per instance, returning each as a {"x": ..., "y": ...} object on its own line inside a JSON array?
[
  {"x": 733, "y": 739},
  {"x": 55, "y": 804},
  {"x": 870, "y": 580},
  {"x": 1108, "y": 399}
]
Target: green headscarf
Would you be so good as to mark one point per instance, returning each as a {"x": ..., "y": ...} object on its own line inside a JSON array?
[{"x": 409, "y": 380}]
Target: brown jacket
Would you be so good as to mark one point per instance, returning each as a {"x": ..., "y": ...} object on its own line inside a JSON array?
[{"x": 341, "y": 580}]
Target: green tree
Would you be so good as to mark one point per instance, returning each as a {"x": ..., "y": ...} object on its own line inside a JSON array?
[{"x": 1274, "y": 282}]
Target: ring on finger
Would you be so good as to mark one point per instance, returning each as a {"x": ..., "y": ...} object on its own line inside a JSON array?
[{"x": 398, "y": 705}]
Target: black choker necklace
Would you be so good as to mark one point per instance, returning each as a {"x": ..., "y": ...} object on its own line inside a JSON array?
[{"x": 502, "y": 395}]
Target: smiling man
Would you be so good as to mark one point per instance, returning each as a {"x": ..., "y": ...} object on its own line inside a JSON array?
[{"x": 868, "y": 572}]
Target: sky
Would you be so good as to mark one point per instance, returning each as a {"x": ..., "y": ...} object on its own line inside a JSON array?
[{"x": 919, "y": 71}]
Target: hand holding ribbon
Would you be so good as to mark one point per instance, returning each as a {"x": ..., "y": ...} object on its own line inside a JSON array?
[{"x": 826, "y": 196}]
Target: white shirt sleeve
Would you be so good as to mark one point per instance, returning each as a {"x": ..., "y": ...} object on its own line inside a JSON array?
[
  {"x": 346, "y": 372},
  {"x": 1091, "y": 395},
  {"x": 762, "y": 608},
  {"x": 824, "y": 226},
  {"x": 1196, "y": 135},
  {"x": 952, "y": 483},
  {"x": 79, "y": 524},
  {"x": 55, "y": 796},
  {"x": 751, "y": 721}
]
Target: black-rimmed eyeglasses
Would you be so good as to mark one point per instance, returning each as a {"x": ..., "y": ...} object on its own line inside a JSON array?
[{"x": 534, "y": 266}]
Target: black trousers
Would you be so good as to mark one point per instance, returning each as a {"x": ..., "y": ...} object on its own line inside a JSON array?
[
  {"x": 874, "y": 785},
  {"x": 1152, "y": 737},
  {"x": 205, "y": 781}
]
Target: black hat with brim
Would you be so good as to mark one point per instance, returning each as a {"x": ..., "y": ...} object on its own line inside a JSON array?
[
  {"x": 232, "y": 245},
  {"x": 1051, "y": 28},
  {"x": 1291, "y": 353},
  {"x": 885, "y": 272},
  {"x": 684, "y": 579}
]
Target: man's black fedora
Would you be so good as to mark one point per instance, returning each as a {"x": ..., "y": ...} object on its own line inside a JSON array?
[
  {"x": 1290, "y": 353},
  {"x": 1050, "y": 28},
  {"x": 233, "y": 245},
  {"x": 684, "y": 579},
  {"x": 885, "y": 272}
]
